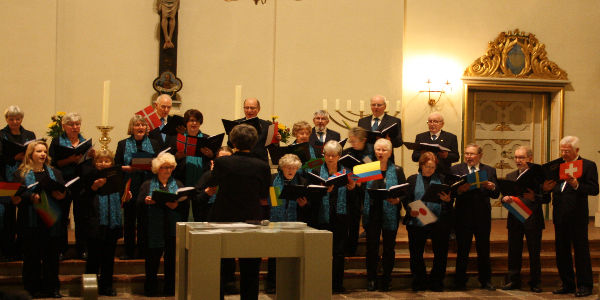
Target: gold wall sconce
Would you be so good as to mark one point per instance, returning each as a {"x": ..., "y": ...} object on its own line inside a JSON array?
[{"x": 443, "y": 89}]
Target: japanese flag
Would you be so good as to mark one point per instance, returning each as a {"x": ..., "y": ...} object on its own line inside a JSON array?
[{"x": 425, "y": 214}]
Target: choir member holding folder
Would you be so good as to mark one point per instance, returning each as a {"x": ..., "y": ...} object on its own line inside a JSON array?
[
  {"x": 137, "y": 146},
  {"x": 332, "y": 214},
  {"x": 423, "y": 187},
  {"x": 69, "y": 151},
  {"x": 578, "y": 180},
  {"x": 283, "y": 208},
  {"x": 104, "y": 191},
  {"x": 381, "y": 217},
  {"x": 447, "y": 150},
  {"x": 474, "y": 216},
  {"x": 159, "y": 222},
  {"x": 192, "y": 159},
  {"x": 13, "y": 144},
  {"x": 529, "y": 226},
  {"x": 39, "y": 222}
]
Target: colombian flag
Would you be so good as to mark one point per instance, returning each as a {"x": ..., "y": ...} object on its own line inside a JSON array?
[
  {"x": 518, "y": 209},
  {"x": 8, "y": 189},
  {"x": 368, "y": 172},
  {"x": 48, "y": 213},
  {"x": 274, "y": 193}
]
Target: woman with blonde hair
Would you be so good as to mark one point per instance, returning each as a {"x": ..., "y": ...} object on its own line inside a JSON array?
[{"x": 39, "y": 235}]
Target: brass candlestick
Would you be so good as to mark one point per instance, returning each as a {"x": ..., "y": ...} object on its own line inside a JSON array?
[{"x": 104, "y": 138}]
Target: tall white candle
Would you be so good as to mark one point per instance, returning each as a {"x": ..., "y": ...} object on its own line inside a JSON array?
[
  {"x": 237, "y": 102},
  {"x": 397, "y": 105},
  {"x": 337, "y": 104},
  {"x": 325, "y": 104},
  {"x": 362, "y": 105},
  {"x": 105, "y": 102},
  {"x": 349, "y": 105}
]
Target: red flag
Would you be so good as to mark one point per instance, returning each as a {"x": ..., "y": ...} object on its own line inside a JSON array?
[
  {"x": 573, "y": 168},
  {"x": 151, "y": 116},
  {"x": 272, "y": 134},
  {"x": 186, "y": 144},
  {"x": 127, "y": 189}
]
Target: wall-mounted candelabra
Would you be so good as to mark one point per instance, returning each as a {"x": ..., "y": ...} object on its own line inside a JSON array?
[{"x": 346, "y": 119}]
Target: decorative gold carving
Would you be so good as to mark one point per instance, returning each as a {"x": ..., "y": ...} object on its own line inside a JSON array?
[
  {"x": 535, "y": 63},
  {"x": 502, "y": 127},
  {"x": 502, "y": 165}
]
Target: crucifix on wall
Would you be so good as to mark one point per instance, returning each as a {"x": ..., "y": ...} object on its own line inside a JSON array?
[{"x": 167, "y": 81}]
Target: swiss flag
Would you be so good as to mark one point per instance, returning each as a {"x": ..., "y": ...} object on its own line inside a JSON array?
[
  {"x": 572, "y": 168},
  {"x": 151, "y": 116}
]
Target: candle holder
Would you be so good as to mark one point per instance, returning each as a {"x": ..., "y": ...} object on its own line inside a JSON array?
[{"x": 104, "y": 138}]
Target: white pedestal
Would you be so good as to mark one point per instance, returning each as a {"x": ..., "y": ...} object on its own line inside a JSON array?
[{"x": 303, "y": 258}]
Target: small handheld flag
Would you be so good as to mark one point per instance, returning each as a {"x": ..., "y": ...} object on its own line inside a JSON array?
[
  {"x": 274, "y": 193},
  {"x": 127, "y": 190},
  {"x": 518, "y": 209},
  {"x": 8, "y": 189},
  {"x": 572, "y": 168},
  {"x": 151, "y": 116},
  {"x": 47, "y": 212},
  {"x": 476, "y": 179},
  {"x": 368, "y": 172},
  {"x": 186, "y": 144},
  {"x": 426, "y": 216},
  {"x": 313, "y": 163},
  {"x": 272, "y": 134}
]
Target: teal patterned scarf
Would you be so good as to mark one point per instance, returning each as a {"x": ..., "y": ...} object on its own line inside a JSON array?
[
  {"x": 436, "y": 208},
  {"x": 193, "y": 166},
  {"x": 131, "y": 148},
  {"x": 390, "y": 212},
  {"x": 287, "y": 210},
  {"x": 109, "y": 209},
  {"x": 29, "y": 180},
  {"x": 341, "y": 198}
]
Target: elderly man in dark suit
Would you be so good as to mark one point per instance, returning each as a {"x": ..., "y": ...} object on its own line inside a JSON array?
[
  {"x": 571, "y": 217},
  {"x": 251, "y": 110},
  {"x": 320, "y": 133},
  {"x": 436, "y": 135},
  {"x": 380, "y": 120},
  {"x": 531, "y": 228},
  {"x": 163, "y": 105},
  {"x": 474, "y": 218}
]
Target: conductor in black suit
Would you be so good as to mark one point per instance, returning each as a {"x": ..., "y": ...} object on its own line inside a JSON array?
[
  {"x": 380, "y": 120},
  {"x": 243, "y": 181},
  {"x": 474, "y": 218},
  {"x": 571, "y": 217},
  {"x": 320, "y": 133},
  {"x": 436, "y": 135},
  {"x": 531, "y": 228},
  {"x": 163, "y": 106},
  {"x": 251, "y": 110}
]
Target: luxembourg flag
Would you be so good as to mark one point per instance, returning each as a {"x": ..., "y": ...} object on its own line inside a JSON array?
[
  {"x": 368, "y": 172},
  {"x": 518, "y": 209}
]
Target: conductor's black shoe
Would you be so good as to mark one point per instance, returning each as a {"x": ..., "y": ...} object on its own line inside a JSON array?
[
  {"x": 488, "y": 286},
  {"x": 511, "y": 285},
  {"x": 563, "y": 290},
  {"x": 583, "y": 292},
  {"x": 55, "y": 294},
  {"x": 339, "y": 290},
  {"x": 108, "y": 292},
  {"x": 371, "y": 285},
  {"x": 535, "y": 289}
]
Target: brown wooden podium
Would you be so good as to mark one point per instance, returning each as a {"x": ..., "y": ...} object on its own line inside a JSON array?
[{"x": 303, "y": 257}]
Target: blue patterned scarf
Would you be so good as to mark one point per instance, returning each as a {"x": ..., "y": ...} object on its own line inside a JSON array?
[
  {"x": 131, "y": 148},
  {"x": 11, "y": 168},
  {"x": 341, "y": 198},
  {"x": 109, "y": 209},
  {"x": 193, "y": 166},
  {"x": 390, "y": 212},
  {"x": 29, "y": 180},
  {"x": 68, "y": 171},
  {"x": 287, "y": 210},
  {"x": 436, "y": 208}
]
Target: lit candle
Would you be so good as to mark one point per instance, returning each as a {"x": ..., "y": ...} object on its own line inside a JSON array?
[
  {"x": 349, "y": 105},
  {"x": 387, "y": 105},
  {"x": 105, "y": 100},
  {"x": 398, "y": 105},
  {"x": 362, "y": 105},
  {"x": 325, "y": 104},
  {"x": 237, "y": 102},
  {"x": 337, "y": 104}
]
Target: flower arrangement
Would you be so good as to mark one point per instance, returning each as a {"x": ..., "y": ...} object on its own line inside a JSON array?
[
  {"x": 55, "y": 127},
  {"x": 282, "y": 129}
]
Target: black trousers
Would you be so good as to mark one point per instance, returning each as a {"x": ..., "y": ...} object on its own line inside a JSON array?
[
  {"x": 439, "y": 233},
  {"x": 40, "y": 261},
  {"x": 152, "y": 264},
  {"x": 339, "y": 227},
  {"x": 101, "y": 260},
  {"x": 464, "y": 237},
  {"x": 200, "y": 209},
  {"x": 80, "y": 216},
  {"x": 568, "y": 234},
  {"x": 8, "y": 231},
  {"x": 515, "y": 253},
  {"x": 132, "y": 220},
  {"x": 354, "y": 214},
  {"x": 374, "y": 231},
  {"x": 249, "y": 269}
]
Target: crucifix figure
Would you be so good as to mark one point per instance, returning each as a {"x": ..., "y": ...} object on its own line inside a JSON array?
[{"x": 167, "y": 10}]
